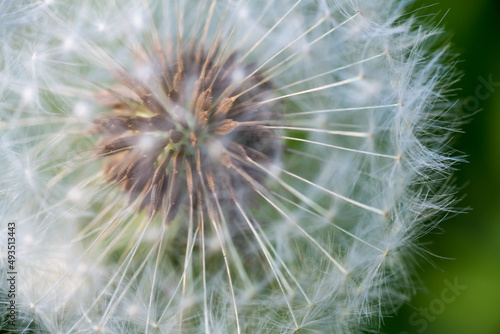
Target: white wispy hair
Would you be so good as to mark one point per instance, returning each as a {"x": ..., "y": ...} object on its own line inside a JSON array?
[{"x": 325, "y": 244}]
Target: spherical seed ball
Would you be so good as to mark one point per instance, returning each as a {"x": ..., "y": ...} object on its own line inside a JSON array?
[{"x": 219, "y": 166}]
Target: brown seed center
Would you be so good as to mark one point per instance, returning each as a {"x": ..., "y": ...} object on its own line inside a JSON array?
[{"x": 197, "y": 137}]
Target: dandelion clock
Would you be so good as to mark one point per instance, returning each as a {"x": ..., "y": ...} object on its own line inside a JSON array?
[{"x": 219, "y": 166}]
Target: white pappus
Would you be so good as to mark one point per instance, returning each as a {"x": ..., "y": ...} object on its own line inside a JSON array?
[{"x": 220, "y": 166}]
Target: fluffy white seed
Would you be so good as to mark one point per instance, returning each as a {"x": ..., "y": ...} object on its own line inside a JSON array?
[{"x": 342, "y": 102}]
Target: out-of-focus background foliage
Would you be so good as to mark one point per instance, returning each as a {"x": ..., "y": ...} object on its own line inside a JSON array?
[{"x": 472, "y": 239}]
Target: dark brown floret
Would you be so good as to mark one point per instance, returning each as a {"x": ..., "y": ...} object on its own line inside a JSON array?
[{"x": 192, "y": 137}]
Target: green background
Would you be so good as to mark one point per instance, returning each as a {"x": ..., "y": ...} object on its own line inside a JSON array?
[{"x": 472, "y": 240}]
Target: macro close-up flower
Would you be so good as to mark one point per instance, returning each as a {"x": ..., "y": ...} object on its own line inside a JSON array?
[{"x": 219, "y": 166}]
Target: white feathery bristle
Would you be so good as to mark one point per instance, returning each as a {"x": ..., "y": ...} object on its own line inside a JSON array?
[{"x": 219, "y": 166}]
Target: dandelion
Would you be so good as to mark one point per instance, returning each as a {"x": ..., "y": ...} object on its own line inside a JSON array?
[{"x": 220, "y": 166}]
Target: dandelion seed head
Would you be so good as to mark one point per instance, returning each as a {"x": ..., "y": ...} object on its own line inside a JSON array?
[{"x": 220, "y": 166}]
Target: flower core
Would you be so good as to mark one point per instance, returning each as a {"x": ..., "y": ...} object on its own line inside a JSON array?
[{"x": 193, "y": 131}]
